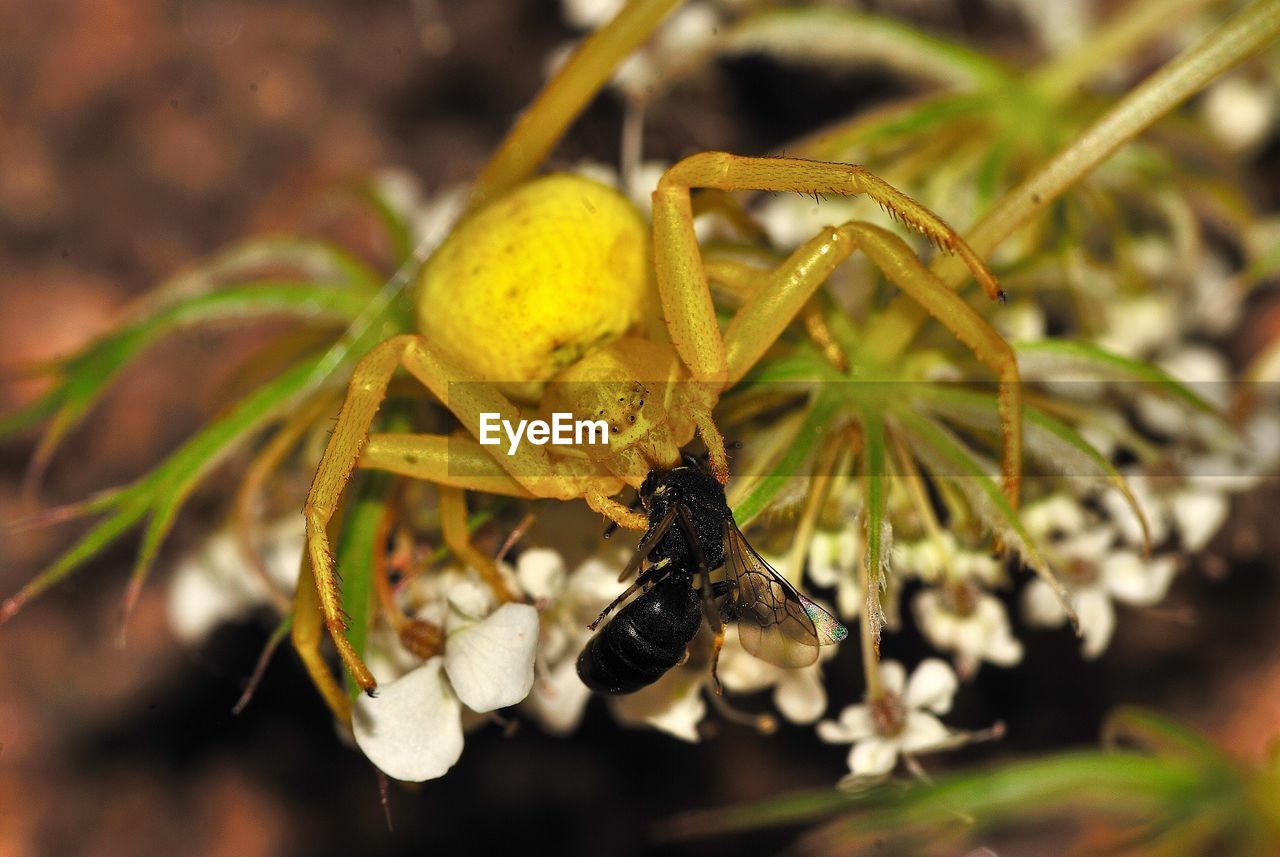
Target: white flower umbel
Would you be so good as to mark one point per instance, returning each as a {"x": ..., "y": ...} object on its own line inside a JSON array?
[
  {"x": 798, "y": 694},
  {"x": 833, "y": 564},
  {"x": 1097, "y": 571},
  {"x": 568, "y": 603},
  {"x": 957, "y": 614},
  {"x": 412, "y": 730},
  {"x": 214, "y": 584},
  {"x": 901, "y": 722},
  {"x": 673, "y": 704},
  {"x": 961, "y": 618},
  {"x": 1192, "y": 508}
]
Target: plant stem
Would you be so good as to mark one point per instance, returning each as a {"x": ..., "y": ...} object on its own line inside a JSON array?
[
  {"x": 1228, "y": 45},
  {"x": 566, "y": 95},
  {"x": 870, "y": 651},
  {"x": 1126, "y": 31}
]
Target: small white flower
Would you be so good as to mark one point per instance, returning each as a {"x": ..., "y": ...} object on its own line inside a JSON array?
[
  {"x": 833, "y": 564},
  {"x": 799, "y": 694},
  {"x": 902, "y": 722},
  {"x": 412, "y": 730},
  {"x": 958, "y": 615},
  {"x": 1096, "y": 572},
  {"x": 1138, "y": 326},
  {"x": 1194, "y": 508},
  {"x": 1238, "y": 111},
  {"x": 569, "y": 602},
  {"x": 590, "y": 14},
  {"x": 961, "y": 618},
  {"x": 673, "y": 704},
  {"x": 1207, "y": 373},
  {"x": 214, "y": 584},
  {"x": 935, "y": 557}
]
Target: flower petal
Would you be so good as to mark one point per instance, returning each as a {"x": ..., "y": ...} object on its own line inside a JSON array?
[
  {"x": 1055, "y": 515},
  {"x": 469, "y": 601},
  {"x": 559, "y": 698},
  {"x": 1097, "y": 620},
  {"x": 1040, "y": 605},
  {"x": 490, "y": 663},
  {"x": 873, "y": 756},
  {"x": 893, "y": 677},
  {"x": 801, "y": 695},
  {"x": 541, "y": 573},
  {"x": 1133, "y": 580},
  {"x": 854, "y": 724},
  {"x": 673, "y": 704},
  {"x": 1199, "y": 515},
  {"x": 923, "y": 732},
  {"x": 212, "y": 585},
  {"x": 741, "y": 672},
  {"x": 411, "y": 730},
  {"x": 932, "y": 686}
]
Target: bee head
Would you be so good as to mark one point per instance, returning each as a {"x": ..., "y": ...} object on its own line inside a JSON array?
[{"x": 688, "y": 484}]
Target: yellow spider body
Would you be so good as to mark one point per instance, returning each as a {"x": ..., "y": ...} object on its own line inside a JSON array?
[{"x": 536, "y": 279}]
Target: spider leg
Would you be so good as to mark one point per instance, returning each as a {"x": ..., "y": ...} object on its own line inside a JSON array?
[{"x": 714, "y": 362}]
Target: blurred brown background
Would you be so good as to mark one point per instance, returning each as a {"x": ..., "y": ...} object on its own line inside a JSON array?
[{"x": 139, "y": 135}]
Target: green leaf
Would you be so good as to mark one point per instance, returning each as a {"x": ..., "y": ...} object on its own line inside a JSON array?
[
  {"x": 841, "y": 38},
  {"x": 1044, "y": 438},
  {"x": 319, "y": 262},
  {"x": 356, "y": 549},
  {"x": 161, "y": 493},
  {"x": 358, "y": 544},
  {"x": 818, "y": 423},
  {"x": 802, "y": 363},
  {"x": 393, "y": 221},
  {"x": 873, "y": 451},
  {"x": 1049, "y": 357},
  {"x": 89, "y": 373},
  {"x": 1123, "y": 785}
]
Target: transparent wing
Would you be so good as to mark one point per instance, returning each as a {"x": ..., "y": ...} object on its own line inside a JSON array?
[{"x": 775, "y": 622}]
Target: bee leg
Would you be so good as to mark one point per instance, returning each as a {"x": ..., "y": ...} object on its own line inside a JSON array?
[
  {"x": 712, "y": 613},
  {"x": 717, "y": 643},
  {"x": 644, "y": 578}
]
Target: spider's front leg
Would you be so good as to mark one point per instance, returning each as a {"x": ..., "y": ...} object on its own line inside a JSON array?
[
  {"x": 528, "y": 467},
  {"x": 686, "y": 299}
]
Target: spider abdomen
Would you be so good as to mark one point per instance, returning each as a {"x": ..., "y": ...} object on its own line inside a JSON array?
[
  {"x": 536, "y": 279},
  {"x": 644, "y": 640}
]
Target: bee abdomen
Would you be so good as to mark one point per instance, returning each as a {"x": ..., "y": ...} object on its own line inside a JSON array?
[{"x": 646, "y": 639}]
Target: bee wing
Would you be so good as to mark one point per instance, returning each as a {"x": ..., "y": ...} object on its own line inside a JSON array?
[{"x": 775, "y": 622}]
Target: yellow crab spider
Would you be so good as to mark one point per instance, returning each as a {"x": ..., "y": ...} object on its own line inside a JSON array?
[{"x": 546, "y": 298}]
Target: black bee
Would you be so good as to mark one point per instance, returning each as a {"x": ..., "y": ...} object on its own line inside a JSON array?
[{"x": 701, "y": 567}]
